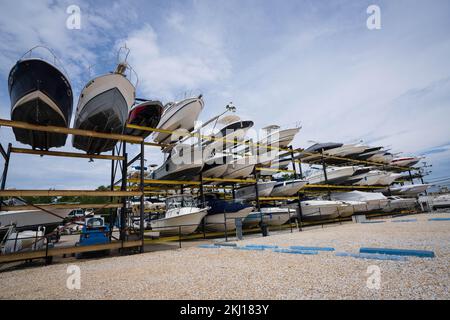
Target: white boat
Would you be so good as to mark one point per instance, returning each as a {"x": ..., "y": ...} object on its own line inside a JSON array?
[
  {"x": 410, "y": 190},
  {"x": 374, "y": 200},
  {"x": 376, "y": 177},
  {"x": 32, "y": 219},
  {"x": 249, "y": 192},
  {"x": 389, "y": 179},
  {"x": 183, "y": 163},
  {"x": 242, "y": 167},
  {"x": 441, "y": 201},
  {"x": 272, "y": 216},
  {"x": 397, "y": 203},
  {"x": 346, "y": 150},
  {"x": 278, "y": 138},
  {"x": 270, "y": 168},
  {"x": 182, "y": 215},
  {"x": 103, "y": 106},
  {"x": 178, "y": 115},
  {"x": 23, "y": 241},
  {"x": 287, "y": 188},
  {"x": 405, "y": 161},
  {"x": 234, "y": 131},
  {"x": 382, "y": 157},
  {"x": 216, "y": 166},
  {"x": 321, "y": 209},
  {"x": 334, "y": 175},
  {"x": 353, "y": 207},
  {"x": 216, "y": 222}
]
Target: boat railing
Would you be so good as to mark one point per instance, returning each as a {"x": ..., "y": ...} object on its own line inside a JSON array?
[{"x": 53, "y": 59}]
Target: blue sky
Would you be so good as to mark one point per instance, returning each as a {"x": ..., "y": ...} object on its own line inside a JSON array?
[{"x": 278, "y": 61}]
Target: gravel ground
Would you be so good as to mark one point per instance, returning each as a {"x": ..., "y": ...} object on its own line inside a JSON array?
[{"x": 198, "y": 273}]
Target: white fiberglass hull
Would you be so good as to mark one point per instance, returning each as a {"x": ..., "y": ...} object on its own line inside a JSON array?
[
  {"x": 249, "y": 192},
  {"x": 287, "y": 188},
  {"x": 280, "y": 139},
  {"x": 320, "y": 210},
  {"x": 185, "y": 223},
  {"x": 216, "y": 222},
  {"x": 241, "y": 168},
  {"x": 333, "y": 175},
  {"x": 182, "y": 115},
  {"x": 33, "y": 218}
]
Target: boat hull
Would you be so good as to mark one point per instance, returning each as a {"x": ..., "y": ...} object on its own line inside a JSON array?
[
  {"x": 180, "y": 116},
  {"x": 40, "y": 94},
  {"x": 146, "y": 114},
  {"x": 288, "y": 188},
  {"x": 186, "y": 223},
  {"x": 216, "y": 222},
  {"x": 103, "y": 107}
]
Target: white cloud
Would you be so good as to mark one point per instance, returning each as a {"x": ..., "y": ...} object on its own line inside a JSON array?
[{"x": 166, "y": 71}]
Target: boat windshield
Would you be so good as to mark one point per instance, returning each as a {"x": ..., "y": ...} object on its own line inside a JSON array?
[
  {"x": 180, "y": 202},
  {"x": 94, "y": 222}
]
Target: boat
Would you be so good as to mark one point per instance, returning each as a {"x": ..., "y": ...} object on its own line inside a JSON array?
[
  {"x": 30, "y": 219},
  {"x": 240, "y": 167},
  {"x": 221, "y": 211},
  {"x": 346, "y": 150},
  {"x": 314, "y": 210},
  {"x": 178, "y": 115},
  {"x": 103, "y": 107},
  {"x": 440, "y": 202},
  {"x": 397, "y": 203},
  {"x": 278, "y": 138},
  {"x": 310, "y": 153},
  {"x": 368, "y": 153},
  {"x": 405, "y": 161},
  {"x": 410, "y": 190},
  {"x": 249, "y": 192},
  {"x": 40, "y": 94},
  {"x": 183, "y": 163},
  {"x": 216, "y": 166},
  {"x": 334, "y": 175},
  {"x": 354, "y": 207},
  {"x": 382, "y": 157},
  {"x": 271, "y": 167},
  {"x": 234, "y": 131},
  {"x": 375, "y": 201},
  {"x": 389, "y": 179},
  {"x": 271, "y": 216},
  {"x": 182, "y": 216},
  {"x": 372, "y": 178},
  {"x": 146, "y": 114},
  {"x": 23, "y": 241},
  {"x": 287, "y": 188}
]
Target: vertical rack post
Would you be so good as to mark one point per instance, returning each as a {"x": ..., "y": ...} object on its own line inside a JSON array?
[
  {"x": 142, "y": 207},
  {"x": 123, "y": 188},
  {"x": 6, "y": 166},
  {"x": 324, "y": 166},
  {"x": 111, "y": 215},
  {"x": 294, "y": 167}
]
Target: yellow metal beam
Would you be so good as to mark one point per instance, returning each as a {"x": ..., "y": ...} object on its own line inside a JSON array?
[
  {"x": 63, "y": 206},
  {"x": 21, "y": 256},
  {"x": 167, "y": 182},
  {"x": 66, "y": 154},
  {"x": 69, "y": 193},
  {"x": 229, "y": 180},
  {"x": 63, "y": 130}
]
